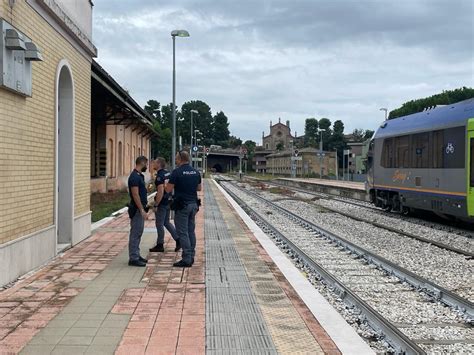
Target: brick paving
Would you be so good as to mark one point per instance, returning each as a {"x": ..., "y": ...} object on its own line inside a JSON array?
[
  {"x": 28, "y": 306},
  {"x": 62, "y": 308},
  {"x": 168, "y": 315},
  {"x": 88, "y": 301}
]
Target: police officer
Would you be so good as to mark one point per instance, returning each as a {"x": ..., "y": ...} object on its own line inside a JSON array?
[
  {"x": 137, "y": 211},
  {"x": 162, "y": 209},
  {"x": 185, "y": 181}
]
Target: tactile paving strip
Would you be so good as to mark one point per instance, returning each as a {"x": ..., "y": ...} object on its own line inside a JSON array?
[
  {"x": 234, "y": 322},
  {"x": 289, "y": 332}
]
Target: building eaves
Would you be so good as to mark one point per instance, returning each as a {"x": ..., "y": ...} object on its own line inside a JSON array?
[{"x": 108, "y": 82}]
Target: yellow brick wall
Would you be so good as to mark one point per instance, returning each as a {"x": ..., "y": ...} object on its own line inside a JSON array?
[{"x": 27, "y": 132}]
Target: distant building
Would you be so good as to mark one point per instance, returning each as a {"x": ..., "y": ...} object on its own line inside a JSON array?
[
  {"x": 280, "y": 163},
  {"x": 259, "y": 163},
  {"x": 357, "y": 159},
  {"x": 279, "y": 139}
]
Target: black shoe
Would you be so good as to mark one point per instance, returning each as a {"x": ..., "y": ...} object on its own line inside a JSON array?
[
  {"x": 136, "y": 263},
  {"x": 181, "y": 263},
  {"x": 178, "y": 246},
  {"x": 158, "y": 248},
  {"x": 143, "y": 260}
]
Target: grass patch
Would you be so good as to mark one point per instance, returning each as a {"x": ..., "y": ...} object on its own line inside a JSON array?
[{"x": 103, "y": 205}]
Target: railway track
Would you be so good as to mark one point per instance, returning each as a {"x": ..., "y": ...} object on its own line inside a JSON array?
[
  {"x": 443, "y": 245},
  {"x": 445, "y": 226},
  {"x": 326, "y": 244}
]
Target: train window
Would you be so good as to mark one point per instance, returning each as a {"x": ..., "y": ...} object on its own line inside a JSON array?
[
  {"x": 454, "y": 148},
  {"x": 402, "y": 152},
  {"x": 438, "y": 149},
  {"x": 387, "y": 154},
  {"x": 472, "y": 162},
  {"x": 420, "y": 150}
]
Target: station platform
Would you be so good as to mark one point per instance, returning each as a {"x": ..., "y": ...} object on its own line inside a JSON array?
[
  {"x": 242, "y": 296},
  {"x": 355, "y": 190}
]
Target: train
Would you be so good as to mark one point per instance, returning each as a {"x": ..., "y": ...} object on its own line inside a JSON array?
[{"x": 425, "y": 161}]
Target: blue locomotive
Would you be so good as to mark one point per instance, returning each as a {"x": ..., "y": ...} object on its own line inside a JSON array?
[{"x": 425, "y": 161}]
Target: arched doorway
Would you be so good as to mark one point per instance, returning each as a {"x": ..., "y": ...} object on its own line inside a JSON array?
[{"x": 64, "y": 156}]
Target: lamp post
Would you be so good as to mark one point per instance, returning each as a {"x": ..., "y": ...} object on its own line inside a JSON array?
[
  {"x": 196, "y": 131},
  {"x": 174, "y": 34},
  {"x": 191, "y": 140},
  {"x": 197, "y": 153},
  {"x": 386, "y": 110}
]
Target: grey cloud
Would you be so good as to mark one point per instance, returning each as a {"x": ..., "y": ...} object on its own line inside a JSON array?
[{"x": 257, "y": 60}]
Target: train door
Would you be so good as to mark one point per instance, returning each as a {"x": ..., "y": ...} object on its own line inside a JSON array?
[{"x": 470, "y": 169}]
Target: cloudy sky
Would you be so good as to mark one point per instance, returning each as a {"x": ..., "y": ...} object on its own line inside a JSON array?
[{"x": 258, "y": 60}]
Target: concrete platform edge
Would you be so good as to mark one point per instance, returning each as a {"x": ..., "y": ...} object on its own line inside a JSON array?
[{"x": 343, "y": 335}]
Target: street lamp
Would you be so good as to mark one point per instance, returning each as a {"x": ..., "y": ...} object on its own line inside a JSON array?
[
  {"x": 386, "y": 110},
  {"x": 196, "y": 131},
  {"x": 192, "y": 127},
  {"x": 174, "y": 34}
]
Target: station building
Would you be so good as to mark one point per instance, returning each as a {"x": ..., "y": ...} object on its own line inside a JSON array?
[
  {"x": 121, "y": 130},
  {"x": 46, "y": 53},
  {"x": 309, "y": 166}
]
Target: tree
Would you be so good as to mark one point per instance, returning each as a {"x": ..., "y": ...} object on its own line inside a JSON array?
[
  {"x": 250, "y": 145},
  {"x": 311, "y": 132},
  {"x": 368, "y": 134},
  {"x": 338, "y": 127},
  {"x": 166, "y": 120},
  {"x": 234, "y": 142},
  {"x": 153, "y": 107},
  {"x": 280, "y": 146},
  {"x": 202, "y": 121},
  {"x": 445, "y": 98},
  {"x": 325, "y": 126},
  {"x": 337, "y": 141},
  {"x": 161, "y": 145},
  {"x": 220, "y": 128},
  {"x": 360, "y": 135}
]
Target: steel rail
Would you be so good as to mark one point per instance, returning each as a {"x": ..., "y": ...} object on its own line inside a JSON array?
[
  {"x": 430, "y": 288},
  {"x": 376, "y": 224},
  {"x": 399, "y": 341},
  {"x": 343, "y": 199}
]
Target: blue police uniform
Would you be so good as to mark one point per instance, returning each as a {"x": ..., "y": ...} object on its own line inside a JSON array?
[
  {"x": 137, "y": 223},
  {"x": 162, "y": 214},
  {"x": 186, "y": 180}
]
